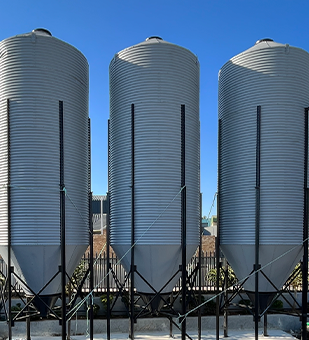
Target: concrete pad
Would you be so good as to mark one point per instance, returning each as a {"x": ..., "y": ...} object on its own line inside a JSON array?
[
  {"x": 233, "y": 335},
  {"x": 239, "y": 327},
  {"x": 152, "y": 325}
]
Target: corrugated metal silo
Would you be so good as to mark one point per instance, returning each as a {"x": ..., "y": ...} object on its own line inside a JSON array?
[
  {"x": 276, "y": 78},
  {"x": 157, "y": 77},
  {"x": 37, "y": 71}
]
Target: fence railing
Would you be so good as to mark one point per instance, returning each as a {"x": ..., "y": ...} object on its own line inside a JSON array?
[{"x": 208, "y": 262}]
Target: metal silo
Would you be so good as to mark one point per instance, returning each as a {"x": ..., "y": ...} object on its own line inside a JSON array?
[
  {"x": 262, "y": 95},
  {"x": 39, "y": 77},
  {"x": 154, "y": 78}
]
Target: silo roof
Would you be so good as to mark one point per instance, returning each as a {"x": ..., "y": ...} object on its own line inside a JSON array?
[{"x": 264, "y": 43}]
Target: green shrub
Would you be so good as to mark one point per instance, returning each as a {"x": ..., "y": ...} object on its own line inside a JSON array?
[
  {"x": 16, "y": 308},
  {"x": 96, "y": 309},
  {"x": 210, "y": 307},
  {"x": 278, "y": 304},
  {"x": 77, "y": 277},
  {"x": 103, "y": 299},
  {"x": 212, "y": 276},
  {"x": 125, "y": 298}
]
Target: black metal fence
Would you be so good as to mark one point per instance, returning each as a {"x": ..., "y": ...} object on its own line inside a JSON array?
[{"x": 208, "y": 262}]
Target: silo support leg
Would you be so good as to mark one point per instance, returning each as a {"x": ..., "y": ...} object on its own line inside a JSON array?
[
  {"x": 133, "y": 267},
  {"x": 226, "y": 298},
  {"x": 183, "y": 220},
  {"x": 265, "y": 325},
  {"x": 305, "y": 233},
  {"x": 28, "y": 322}
]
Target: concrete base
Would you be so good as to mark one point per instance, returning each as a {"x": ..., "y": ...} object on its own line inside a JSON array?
[
  {"x": 235, "y": 335},
  {"x": 121, "y": 326}
]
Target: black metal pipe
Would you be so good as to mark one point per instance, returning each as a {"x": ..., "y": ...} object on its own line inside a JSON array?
[
  {"x": 265, "y": 333},
  {"x": 226, "y": 298},
  {"x": 305, "y": 234},
  {"x": 176, "y": 325},
  {"x": 257, "y": 220},
  {"x": 91, "y": 284},
  {"x": 199, "y": 326},
  {"x": 28, "y": 336},
  {"x": 218, "y": 233},
  {"x": 108, "y": 266},
  {"x": 3, "y": 291},
  {"x": 162, "y": 288},
  {"x": 10, "y": 321},
  {"x": 157, "y": 293},
  {"x": 132, "y": 227},
  {"x": 279, "y": 293},
  {"x": 35, "y": 294},
  {"x": 183, "y": 219},
  {"x": 62, "y": 221}
]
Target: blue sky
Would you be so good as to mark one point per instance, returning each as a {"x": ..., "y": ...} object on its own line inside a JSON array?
[{"x": 215, "y": 30}]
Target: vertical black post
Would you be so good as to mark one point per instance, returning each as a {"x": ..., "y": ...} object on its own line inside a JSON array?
[
  {"x": 108, "y": 266},
  {"x": 28, "y": 337},
  {"x": 199, "y": 327},
  {"x": 218, "y": 265},
  {"x": 226, "y": 298},
  {"x": 183, "y": 219},
  {"x": 91, "y": 285},
  {"x": 218, "y": 233},
  {"x": 132, "y": 227},
  {"x": 62, "y": 221},
  {"x": 305, "y": 235},
  {"x": 9, "y": 271},
  {"x": 257, "y": 220},
  {"x": 91, "y": 266},
  {"x": 265, "y": 333},
  {"x": 90, "y": 231}
]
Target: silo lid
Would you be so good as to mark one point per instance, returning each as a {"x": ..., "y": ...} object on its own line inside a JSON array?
[
  {"x": 264, "y": 43},
  {"x": 42, "y": 31},
  {"x": 263, "y": 40},
  {"x": 154, "y": 37}
]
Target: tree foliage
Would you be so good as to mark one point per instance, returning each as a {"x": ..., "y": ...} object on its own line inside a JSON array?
[
  {"x": 77, "y": 276},
  {"x": 212, "y": 276}
]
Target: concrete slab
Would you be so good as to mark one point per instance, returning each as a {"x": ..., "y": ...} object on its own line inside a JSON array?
[
  {"x": 52, "y": 328},
  {"x": 240, "y": 327},
  {"x": 233, "y": 335}
]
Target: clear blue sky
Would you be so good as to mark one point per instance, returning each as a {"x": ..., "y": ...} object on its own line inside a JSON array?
[{"x": 215, "y": 30}]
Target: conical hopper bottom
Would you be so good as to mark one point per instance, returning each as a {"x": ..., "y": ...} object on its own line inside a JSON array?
[
  {"x": 154, "y": 302},
  {"x": 41, "y": 303},
  {"x": 277, "y": 263},
  {"x": 157, "y": 265},
  {"x": 265, "y": 299}
]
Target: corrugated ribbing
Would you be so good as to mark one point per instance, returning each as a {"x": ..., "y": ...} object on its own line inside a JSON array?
[
  {"x": 157, "y": 77},
  {"x": 36, "y": 72},
  {"x": 276, "y": 78},
  {"x": 3, "y": 171}
]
